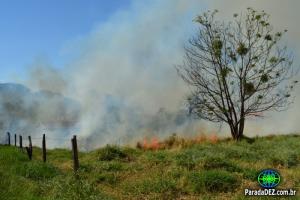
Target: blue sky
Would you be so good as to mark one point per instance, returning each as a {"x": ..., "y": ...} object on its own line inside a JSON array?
[{"x": 31, "y": 29}]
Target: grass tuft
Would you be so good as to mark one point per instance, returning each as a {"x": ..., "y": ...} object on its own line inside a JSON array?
[
  {"x": 213, "y": 181},
  {"x": 109, "y": 153}
]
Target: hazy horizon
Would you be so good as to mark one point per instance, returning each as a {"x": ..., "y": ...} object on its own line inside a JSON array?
[{"x": 118, "y": 64}]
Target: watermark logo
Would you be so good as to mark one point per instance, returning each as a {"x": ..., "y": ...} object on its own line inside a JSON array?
[{"x": 268, "y": 178}]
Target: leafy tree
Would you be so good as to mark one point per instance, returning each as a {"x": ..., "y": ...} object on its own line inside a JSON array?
[{"x": 236, "y": 69}]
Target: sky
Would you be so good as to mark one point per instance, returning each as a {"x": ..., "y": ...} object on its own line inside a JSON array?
[
  {"x": 116, "y": 59},
  {"x": 34, "y": 29}
]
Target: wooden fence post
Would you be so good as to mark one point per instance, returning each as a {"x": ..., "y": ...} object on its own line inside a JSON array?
[
  {"x": 8, "y": 137},
  {"x": 15, "y": 140},
  {"x": 28, "y": 152},
  {"x": 75, "y": 153},
  {"x": 29, "y": 149},
  {"x": 44, "y": 148},
  {"x": 20, "y": 141}
]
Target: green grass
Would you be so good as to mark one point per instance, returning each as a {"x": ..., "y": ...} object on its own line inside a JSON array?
[{"x": 190, "y": 171}]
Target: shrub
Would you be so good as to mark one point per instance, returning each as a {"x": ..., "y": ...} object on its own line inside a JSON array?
[
  {"x": 213, "y": 181},
  {"x": 111, "y": 153}
]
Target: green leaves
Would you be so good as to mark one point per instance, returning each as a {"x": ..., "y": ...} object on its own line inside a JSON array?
[
  {"x": 278, "y": 34},
  {"x": 268, "y": 37},
  {"x": 249, "y": 88},
  {"x": 258, "y": 17},
  {"x": 217, "y": 47},
  {"x": 225, "y": 71},
  {"x": 242, "y": 49},
  {"x": 273, "y": 59},
  {"x": 264, "y": 78}
]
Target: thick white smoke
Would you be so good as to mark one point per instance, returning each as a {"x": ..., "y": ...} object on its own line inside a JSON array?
[
  {"x": 131, "y": 57},
  {"x": 124, "y": 78}
]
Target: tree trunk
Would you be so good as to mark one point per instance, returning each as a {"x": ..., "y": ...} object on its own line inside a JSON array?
[
  {"x": 234, "y": 129},
  {"x": 241, "y": 128}
]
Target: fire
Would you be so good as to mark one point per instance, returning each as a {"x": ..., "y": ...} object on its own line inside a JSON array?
[
  {"x": 145, "y": 144},
  {"x": 152, "y": 144},
  {"x": 213, "y": 138}
]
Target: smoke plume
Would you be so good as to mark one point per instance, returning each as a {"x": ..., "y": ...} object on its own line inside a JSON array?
[{"x": 123, "y": 85}]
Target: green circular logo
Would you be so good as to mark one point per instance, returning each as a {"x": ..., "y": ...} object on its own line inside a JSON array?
[{"x": 268, "y": 178}]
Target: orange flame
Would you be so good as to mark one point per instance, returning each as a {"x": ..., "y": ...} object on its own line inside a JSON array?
[
  {"x": 145, "y": 144},
  {"x": 213, "y": 138},
  {"x": 154, "y": 144}
]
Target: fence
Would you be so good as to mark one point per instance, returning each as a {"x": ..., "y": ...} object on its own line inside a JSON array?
[{"x": 29, "y": 149}]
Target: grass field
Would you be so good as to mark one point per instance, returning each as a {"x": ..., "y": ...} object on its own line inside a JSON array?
[{"x": 206, "y": 170}]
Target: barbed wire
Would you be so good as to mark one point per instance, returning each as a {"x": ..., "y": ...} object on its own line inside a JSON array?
[{"x": 61, "y": 139}]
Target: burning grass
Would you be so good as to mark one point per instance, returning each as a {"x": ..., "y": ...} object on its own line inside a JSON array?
[{"x": 175, "y": 141}]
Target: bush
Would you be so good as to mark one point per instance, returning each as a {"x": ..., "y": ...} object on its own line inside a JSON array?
[
  {"x": 111, "y": 153},
  {"x": 213, "y": 181}
]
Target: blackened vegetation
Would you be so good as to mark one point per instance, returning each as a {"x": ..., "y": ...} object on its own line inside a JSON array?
[{"x": 237, "y": 69}]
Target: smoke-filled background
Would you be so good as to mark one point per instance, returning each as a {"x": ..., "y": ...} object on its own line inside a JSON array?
[{"x": 120, "y": 85}]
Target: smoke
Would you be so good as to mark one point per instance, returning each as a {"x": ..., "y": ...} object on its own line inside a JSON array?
[
  {"x": 123, "y": 82},
  {"x": 44, "y": 77},
  {"x": 25, "y": 113},
  {"x": 125, "y": 72}
]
